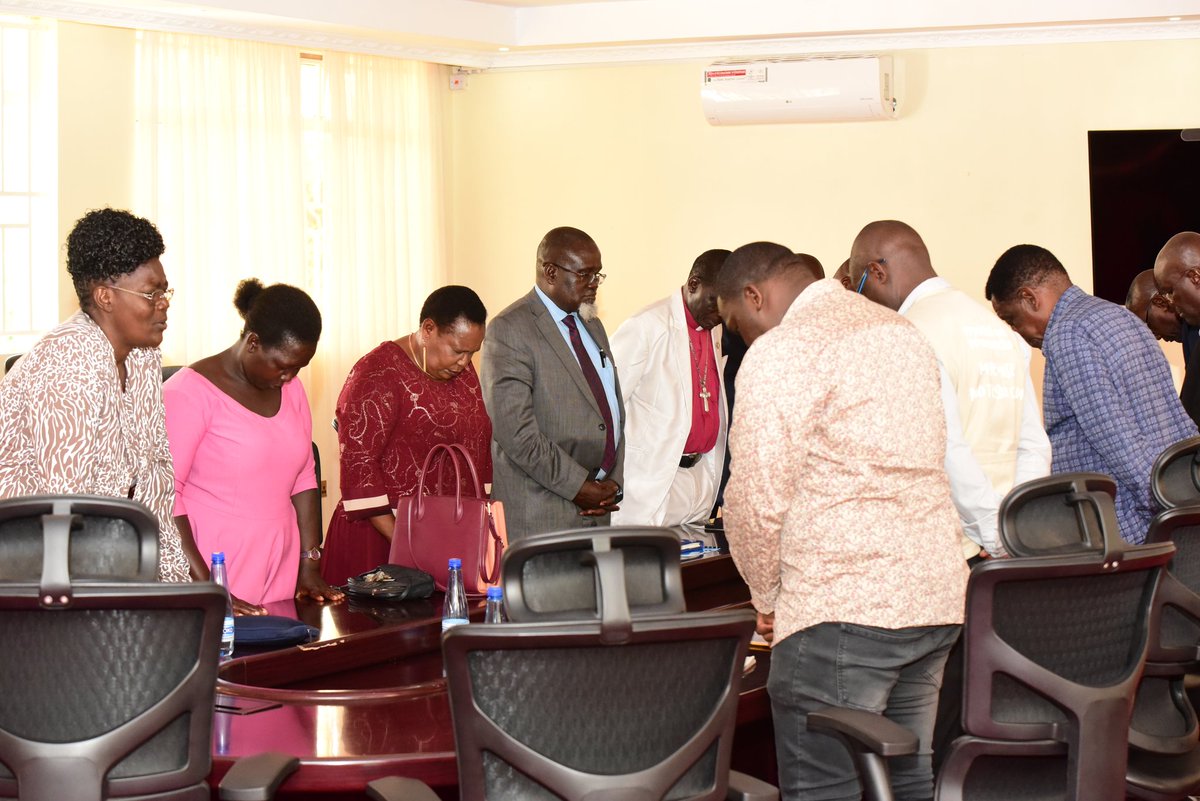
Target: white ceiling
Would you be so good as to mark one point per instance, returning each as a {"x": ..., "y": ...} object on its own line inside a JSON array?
[{"x": 502, "y": 34}]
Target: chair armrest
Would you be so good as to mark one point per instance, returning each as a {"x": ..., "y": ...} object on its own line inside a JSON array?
[
  {"x": 396, "y": 788},
  {"x": 748, "y": 788},
  {"x": 867, "y": 730},
  {"x": 256, "y": 778}
]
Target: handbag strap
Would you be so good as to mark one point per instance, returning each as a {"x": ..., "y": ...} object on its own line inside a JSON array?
[
  {"x": 457, "y": 451},
  {"x": 439, "y": 452},
  {"x": 497, "y": 547}
]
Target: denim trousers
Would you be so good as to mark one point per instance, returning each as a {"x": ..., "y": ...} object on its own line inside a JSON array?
[{"x": 896, "y": 672}]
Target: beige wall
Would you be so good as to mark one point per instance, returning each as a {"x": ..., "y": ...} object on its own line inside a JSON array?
[
  {"x": 990, "y": 150},
  {"x": 95, "y": 131}
]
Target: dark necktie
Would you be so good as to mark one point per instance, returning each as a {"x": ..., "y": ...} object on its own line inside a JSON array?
[{"x": 593, "y": 381}]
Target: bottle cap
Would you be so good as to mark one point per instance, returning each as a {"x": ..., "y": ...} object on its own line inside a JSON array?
[
  {"x": 218, "y": 558},
  {"x": 455, "y": 562},
  {"x": 495, "y": 594}
]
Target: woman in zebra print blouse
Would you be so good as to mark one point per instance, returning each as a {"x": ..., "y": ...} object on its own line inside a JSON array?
[{"x": 82, "y": 412}]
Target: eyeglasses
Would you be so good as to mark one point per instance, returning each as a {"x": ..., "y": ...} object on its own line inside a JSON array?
[
  {"x": 1161, "y": 301},
  {"x": 587, "y": 276},
  {"x": 863, "y": 281},
  {"x": 156, "y": 297}
]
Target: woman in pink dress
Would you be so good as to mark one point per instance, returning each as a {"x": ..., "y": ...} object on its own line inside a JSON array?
[
  {"x": 240, "y": 432},
  {"x": 400, "y": 400}
]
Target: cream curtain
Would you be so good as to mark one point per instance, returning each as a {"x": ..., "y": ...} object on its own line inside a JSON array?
[
  {"x": 383, "y": 246},
  {"x": 327, "y": 177},
  {"x": 219, "y": 169}
]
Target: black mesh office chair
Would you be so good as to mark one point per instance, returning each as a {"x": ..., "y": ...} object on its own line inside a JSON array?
[
  {"x": 109, "y": 676},
  {"x": 10, "y": 360},
  {"x": 1063, "y": 513},
  {"x": 1164, "y": 756},
  {"x": 591, "y": 701},
  {"x": 1055, "y": 646},
  {"x": 1175, "y": 476},
  {"x": 590, "y": 573}
]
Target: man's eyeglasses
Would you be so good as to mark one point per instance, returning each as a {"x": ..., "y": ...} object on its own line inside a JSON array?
[
  {"x": 156, "y": 297},
  {"x": 587, "y": 276},
  {"x": 863, "y": 281},
  {"x": 1161, "y": 301}
]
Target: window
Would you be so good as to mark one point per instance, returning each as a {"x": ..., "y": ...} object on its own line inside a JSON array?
[{"x": 28, "y": 182}]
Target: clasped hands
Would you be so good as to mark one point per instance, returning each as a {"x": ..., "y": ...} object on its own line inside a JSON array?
[{"x": 596, "y": 498}]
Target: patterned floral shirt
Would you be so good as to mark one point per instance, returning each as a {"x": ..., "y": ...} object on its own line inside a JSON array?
[
  {"x": 66, "y": 427},
  {"x": 838, "y": 507}
]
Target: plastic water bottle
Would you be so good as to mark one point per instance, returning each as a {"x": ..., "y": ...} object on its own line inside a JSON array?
[
  {"x": 494, "y": 612},
  {"x": 218, "y": 576},
  {"x": 454, "y": 608}
]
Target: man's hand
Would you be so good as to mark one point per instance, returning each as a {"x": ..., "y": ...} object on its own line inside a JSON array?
[
  {"x": 597, "y": 498},
  {"x": 766, "y": 626}
]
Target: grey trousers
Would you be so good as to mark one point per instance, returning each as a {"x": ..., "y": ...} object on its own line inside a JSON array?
[{"x": 896, "y": 672}]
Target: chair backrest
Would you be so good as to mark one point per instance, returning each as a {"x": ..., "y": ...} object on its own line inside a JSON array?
[
  {"x": 1054, "y": 649},
  {"x": 1063, "y": 513},
  {"x": 100, "y": 536},
  {"x": 10, "y": 360},
  {"x": 1164, "y": 721},
  {"x": 169, "y": 370},
  {"x": 557, "y": 711},
  {"x": 593, "y": 573},
  {"x": 1177, "y": 615},
  {"x": 1175, "y": 476},
  {"x": 108, "y": 686}
]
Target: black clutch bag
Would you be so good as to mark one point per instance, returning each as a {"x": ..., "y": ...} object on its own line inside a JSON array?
[
  {"x": 391, "y": 583},
  {"x": 271, "y": 630}
]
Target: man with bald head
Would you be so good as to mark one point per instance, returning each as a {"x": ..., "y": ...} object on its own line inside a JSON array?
[
  {"x": 551, "y": 389},
  {"x": 670, "y": 357},
  {"x": 838, "y": 513},
  {"x": 1144, "y": 300},
  {"x": 1176, "y": 273},
  {"x": 1107, "y": 396},
  {"x": 995, "y": 438},
  {"x": 842, "y": 275}
]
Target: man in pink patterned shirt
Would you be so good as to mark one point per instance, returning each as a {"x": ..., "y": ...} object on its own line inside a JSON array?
[{"x": 838, "y": 513}]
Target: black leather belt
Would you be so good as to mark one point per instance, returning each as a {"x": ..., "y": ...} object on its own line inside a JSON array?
[{"x": 689, "y": 459}]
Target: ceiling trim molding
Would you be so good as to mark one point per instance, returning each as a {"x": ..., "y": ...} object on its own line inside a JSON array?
[
  {"x": 302, "y": 38},
  {"x": 829, "y": 45},
  {"x": 545, "y": 58}
]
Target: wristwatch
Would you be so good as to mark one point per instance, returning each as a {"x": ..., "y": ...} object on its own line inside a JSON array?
[{"x": 312, "y": 553}]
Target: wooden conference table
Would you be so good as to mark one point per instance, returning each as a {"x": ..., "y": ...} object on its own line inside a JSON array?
[{"x": 367, "y": 698}]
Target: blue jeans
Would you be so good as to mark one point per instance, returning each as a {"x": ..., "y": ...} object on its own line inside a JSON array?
[{"x": 896, "y": 672}]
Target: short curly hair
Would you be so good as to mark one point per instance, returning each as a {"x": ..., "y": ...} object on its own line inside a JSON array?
[
  {"x": 108, "y": 243},
  {"x": 277, "y": 313},
  {"x": 1019, "y": 266}
]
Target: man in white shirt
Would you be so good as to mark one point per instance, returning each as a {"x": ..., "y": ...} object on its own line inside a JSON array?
[
  {"x": 994, "y": 433},
  {"x": 995, "y": 437},
  {"x": 670, "y": 360}
]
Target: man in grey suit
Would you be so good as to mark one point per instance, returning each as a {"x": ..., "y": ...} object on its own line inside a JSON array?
[{"x": 550, "y": 386}]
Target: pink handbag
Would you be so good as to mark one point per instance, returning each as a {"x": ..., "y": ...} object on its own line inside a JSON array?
[{"x": 432, "y": 528}]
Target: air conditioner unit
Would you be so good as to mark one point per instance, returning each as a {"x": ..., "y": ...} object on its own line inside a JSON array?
[{"x": 835, "y": 89}]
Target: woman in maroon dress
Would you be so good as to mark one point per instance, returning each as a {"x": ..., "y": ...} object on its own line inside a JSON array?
[{"x": 399, "y": 401}]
